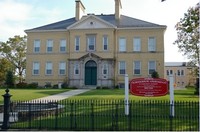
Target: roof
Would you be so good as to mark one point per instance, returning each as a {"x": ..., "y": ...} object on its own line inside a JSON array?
[
  {"x": 178, "y": 64},
  {"x": 124, "y": 22}
]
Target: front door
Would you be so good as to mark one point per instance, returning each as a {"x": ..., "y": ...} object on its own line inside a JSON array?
[{"x": 91, "y": 73}]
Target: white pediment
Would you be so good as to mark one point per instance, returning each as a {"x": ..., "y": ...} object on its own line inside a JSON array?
[{"x": 91, "y": 22}]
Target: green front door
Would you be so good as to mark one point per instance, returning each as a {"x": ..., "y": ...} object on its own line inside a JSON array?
[{"x": 90, "y": 73}]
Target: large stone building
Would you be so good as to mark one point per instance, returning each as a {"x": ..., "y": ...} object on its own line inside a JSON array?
[{"x": 94, "y": 50}]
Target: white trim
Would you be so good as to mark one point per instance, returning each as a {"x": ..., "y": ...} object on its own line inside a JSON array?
[{"x": 84, "y": 18}]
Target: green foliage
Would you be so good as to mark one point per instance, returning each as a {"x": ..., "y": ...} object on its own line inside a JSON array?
[
  {"x": 14, "y": 50},
  {"x": 5, "y": 66},
  {"x": 188, "y": 34},
  {"x": 21, "y": 85},
  {"x": 10, "y": 79},
  {"x": 155, "y": 74}
]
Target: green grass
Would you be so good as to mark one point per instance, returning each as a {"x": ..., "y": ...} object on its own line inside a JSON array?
[
  {"x": 29, "y": 94},
  {"x": 110, "y": 94},
  {"x": 147, "y": 112}
]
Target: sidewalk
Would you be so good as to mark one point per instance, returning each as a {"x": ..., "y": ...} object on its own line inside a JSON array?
[{"x": 62, "y": 96}]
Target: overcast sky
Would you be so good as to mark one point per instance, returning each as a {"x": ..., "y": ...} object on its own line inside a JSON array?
[{"x": 19, "y": 15}]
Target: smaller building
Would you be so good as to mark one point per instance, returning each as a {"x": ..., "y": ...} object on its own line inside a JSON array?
[{"x": 183, "y": 73}]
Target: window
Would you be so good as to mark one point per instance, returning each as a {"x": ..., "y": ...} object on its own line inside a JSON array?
[
  {"x": 62, "y": 68},
  {"x": 152, "y": 67},
  {"x": 137, "y": 67},
  {"x": 49, "y": 67},
  {"x": 122, "y": 44},
  {"x": 122, "y": 67},
  {"x": 36, "y": 68},
  {"x": 137, "y": 44},
  {"x": 167, "y": 72},
  {"x": 105, "y": 69},
  {"x": 178, "y": 72},
  {"x": 63, "y": 45},
  {"x": 91, "y": 42},
  {"x": 182, "y": 72},
  {"x": 76, "y": 69},
  {"x": 152, "y": 44},
  {"x": 105, "y": 43},
  {"x": 49, "y": 46},
  {"x": 77, "y": 43},
  {"x": 171, "y": 72},
  {"x": 36, "y": 46}
]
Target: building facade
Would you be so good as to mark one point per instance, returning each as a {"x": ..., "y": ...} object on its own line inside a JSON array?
[
  {"x": 183, "y": 73},
  {"x": 94, "y": 50}
]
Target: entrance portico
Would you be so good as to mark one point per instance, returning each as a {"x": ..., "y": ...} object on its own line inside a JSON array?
[{"x": 91, "y": 70}]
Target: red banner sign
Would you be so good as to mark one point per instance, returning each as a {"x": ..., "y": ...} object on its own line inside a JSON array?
[{"x": 149, "y": 87}]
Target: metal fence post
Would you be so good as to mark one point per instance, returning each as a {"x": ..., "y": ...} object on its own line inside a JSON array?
[
  {"x": 71, "y": 116},
  {"x": 6, "y": 112},
  {"x": 92, "y": 115},
  {"x": 116, "y": 116}
]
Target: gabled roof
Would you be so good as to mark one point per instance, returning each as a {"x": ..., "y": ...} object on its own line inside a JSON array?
[{"x": 123, "y": 22}]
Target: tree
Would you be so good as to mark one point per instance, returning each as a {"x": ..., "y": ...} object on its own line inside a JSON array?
[
  {"x": 14, "y": 50},
  {"x": 5, "y": 66},
  {"x": 188, "y": 34},
  {"x": 9, "y": 79}
]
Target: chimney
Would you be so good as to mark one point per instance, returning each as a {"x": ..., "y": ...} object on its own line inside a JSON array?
[
  {"x": 80, "y": 9},
  {"x": 118, "y": 7}
]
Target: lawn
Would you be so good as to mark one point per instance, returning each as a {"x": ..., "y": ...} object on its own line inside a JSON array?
[
  {"x": 104, "y": 110},
  {"x": 29, "y": 94},
  {"x": 110, "y": 94}
]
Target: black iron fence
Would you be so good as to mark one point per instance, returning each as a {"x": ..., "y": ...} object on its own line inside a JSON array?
[{"x": 103, "y": 115}]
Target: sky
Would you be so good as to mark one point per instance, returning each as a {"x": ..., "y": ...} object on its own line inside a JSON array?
[{"x": 19, "y": 15}]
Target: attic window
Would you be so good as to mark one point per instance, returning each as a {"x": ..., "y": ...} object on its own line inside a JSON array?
[{"x": 91, "y": 23}]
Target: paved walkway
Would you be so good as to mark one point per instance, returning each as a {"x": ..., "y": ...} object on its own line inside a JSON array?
[{"x": 63, "y": 95}]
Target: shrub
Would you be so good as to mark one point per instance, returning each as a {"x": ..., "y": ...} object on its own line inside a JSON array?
[
  {"x": 155, "y": 74},
  {"x": 9, "y": 79},
  {"x": 64, "y": 85},
  {"x": 47, "y": 86},
  {"x": 55, "y": 86},
  {"x": 21, "y": 85},
  {"x": 32, "y": 85},
  {"x": 98, "y": 87},
  {"x": 105, "y": 88}
]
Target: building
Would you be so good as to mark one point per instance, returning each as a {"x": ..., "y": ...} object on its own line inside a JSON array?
[
  {"x": 182, "y": 72},
  {"x": 94, "y": 50}
]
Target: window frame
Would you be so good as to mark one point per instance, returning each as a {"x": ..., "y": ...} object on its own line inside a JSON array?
[
  {"x": 49, "y": 46},
  {"x": 121, "y": 66},
  {"x": 152, "y": 46},
  {"x": 122, "y": 44},
  {"x": 134, "y": 68},
  {"x": 150, "y": 71},
  {"x": 35, "y": 68},
  {"x": 91, "y": 41},
  {"x": 61, "y": 68},
  {"x": 47, "y": 69},
  {"x": 63, "y": 46},
  {"x": 36, "y": 46},
  {"x": 77, "y": 43},
  {"x": 105, "y": 43},
  {"x": 76, "y": 68},
  {"x": 105, "y": 68},
  {"x": 136, "y": 46}
]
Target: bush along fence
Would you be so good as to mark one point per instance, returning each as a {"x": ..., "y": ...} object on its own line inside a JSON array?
[{"x": 103, "y": 115}]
